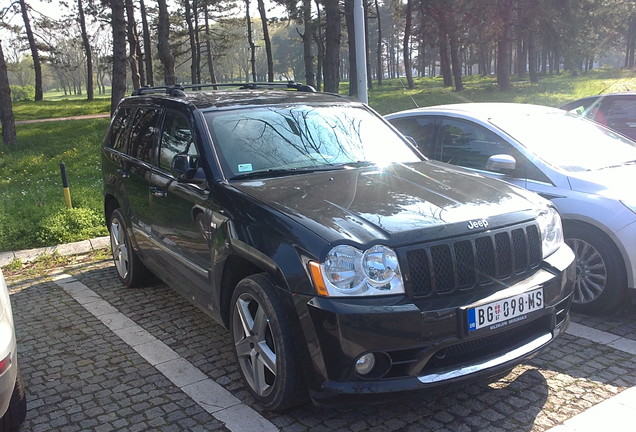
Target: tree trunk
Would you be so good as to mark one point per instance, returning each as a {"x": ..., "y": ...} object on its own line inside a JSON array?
[
  {"x": 163, "y": 45},
  {"x": 308, "y": 58},
  {"x": 194, "y": 65},
  {"x": 268, "y": 43},
  {"x": 332, "y": 46},
  {"x": 147, "y": 54},
  {"x": 532, "y": 57},
  {"x": 444, "y": 62},
  {"x": 380, "y": 71},
  {"x": 6, "y": 108},
  {"x": 250, "y": 40},
  {"x": 406, "y": 45},
  {"x": 208, "y": 45},
  {"x": 37, "y": 67},
  {"x": 456, "y": 63},
  {"x": 504, "y": 45},
  {"x": 132, "y": 44},
  {"x": 119, "y": 53},
  {"x": 87, "y": 52}
]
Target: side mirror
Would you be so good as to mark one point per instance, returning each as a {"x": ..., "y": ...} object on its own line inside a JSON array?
[
  {"x": 501, "y": 162},
  {"x": 184, "y": 166}
]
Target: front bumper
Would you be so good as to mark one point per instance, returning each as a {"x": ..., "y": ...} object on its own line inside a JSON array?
[{"x": 426, "y": 343}]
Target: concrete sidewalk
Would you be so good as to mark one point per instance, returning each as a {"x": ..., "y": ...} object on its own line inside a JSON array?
[{"x": 75, "y": 248}]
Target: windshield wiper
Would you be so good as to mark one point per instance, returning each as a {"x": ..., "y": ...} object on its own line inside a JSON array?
[{"x": 282, "y": 172}]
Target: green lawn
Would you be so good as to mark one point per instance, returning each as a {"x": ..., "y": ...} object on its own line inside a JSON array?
[{"x": 33, "y": 211}]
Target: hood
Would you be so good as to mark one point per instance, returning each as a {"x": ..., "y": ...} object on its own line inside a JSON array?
[
  {"x": 397, "y": 205},
  {"x": 617, "y": 182}
]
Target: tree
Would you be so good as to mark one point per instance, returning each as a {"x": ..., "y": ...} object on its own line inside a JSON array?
[
  {"x": 146, "y": 38},
  {"x": 37, "y": 67},
  {"x": 250, "y": 40},
  {"x": 406, "y": 45},
  {"x": 504, "y": 44},
  {"x": 310, "y": 76},
  {"x": 118, "y": 23},
  {"x": 6, "y": 108},
  {"x": 268, "y": 43},
  {"x": 191, "y": 19},
  {"x": 133, "y": 43},
  {"x": 163, "y": 45},
  {"x": 332, "y": 46},
  {"x": 87, "y": 51}
]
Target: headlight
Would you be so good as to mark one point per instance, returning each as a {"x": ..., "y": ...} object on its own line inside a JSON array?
[
  {"x": 551, "y": 230},
  {"x": 348, "y": 271}
]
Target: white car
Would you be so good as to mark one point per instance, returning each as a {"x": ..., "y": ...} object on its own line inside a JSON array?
[
  {"x": 13, "y": 404},
  {"x": 588, "y": 171}
]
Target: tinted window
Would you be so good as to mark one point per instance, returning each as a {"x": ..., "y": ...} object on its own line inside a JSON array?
[
  {"x": 119, "y": 129},
  {"x": 620, "y": 114},
  {"x": 470, "y": 145},
  {"x": 421, "y": 129},
  {"x": 176, "y": 138},
  {"x": 143, "y": 137}
]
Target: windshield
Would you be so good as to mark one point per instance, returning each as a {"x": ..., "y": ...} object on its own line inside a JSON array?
[
  {"x": 301, "y": 137},
  {"x": 568, "y": 141}
]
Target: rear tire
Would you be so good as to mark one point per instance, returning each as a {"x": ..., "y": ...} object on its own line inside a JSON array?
[
  {"x": 600, "y": 283},
  {"x": 17, "y": 410},
  {"x": 264, "y": 345},
  {"x": 131, "y": 271}
]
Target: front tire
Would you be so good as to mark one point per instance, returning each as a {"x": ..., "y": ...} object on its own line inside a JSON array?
[
  {"x": 131, "y": 271},
  {"x": 264, "y": 345},
  {"x": 600, "y": 282}
]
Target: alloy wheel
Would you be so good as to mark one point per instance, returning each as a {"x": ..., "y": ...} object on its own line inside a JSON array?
[
  {"x": 119, "y": 248},
  {"x": 591, "y": 271},
  {"x": 255, "y": 346}
]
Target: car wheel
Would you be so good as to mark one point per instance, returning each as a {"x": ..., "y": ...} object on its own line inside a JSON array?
[
  {"x": 600, "y": 277},
  {"x": 263, "y": 344},
  {"x": 17, "y": 410},
  {"x": 131, "y": 271}
]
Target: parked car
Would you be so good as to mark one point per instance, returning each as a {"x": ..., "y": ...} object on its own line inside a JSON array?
[
  {"x": 13, "y": 404},
  {"x": 614, "y": 110},
  {"x": 342, "y": 262},
  {"x": 586, "y": 170}
]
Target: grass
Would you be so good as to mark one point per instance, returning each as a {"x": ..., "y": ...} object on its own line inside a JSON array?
[
  {"x": 554, "y": 90},
  {"x": 33, "y": 211},
  {"x": 49, "y": 108}
]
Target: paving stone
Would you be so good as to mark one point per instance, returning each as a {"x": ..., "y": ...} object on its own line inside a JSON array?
[{"x": 88, "y": 379}]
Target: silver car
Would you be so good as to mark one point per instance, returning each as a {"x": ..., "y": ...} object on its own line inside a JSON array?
[
  {"x": 13, "y": 404},
  {"x": 588, "y": 171}
]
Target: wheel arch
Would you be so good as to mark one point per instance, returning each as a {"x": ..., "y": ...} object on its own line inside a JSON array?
[
  {"x": 110, "y": 204},
  {"x": 580, "y": 224}
]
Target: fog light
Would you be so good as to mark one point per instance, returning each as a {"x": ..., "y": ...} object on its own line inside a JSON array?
[{"x": 365, "y": 364}]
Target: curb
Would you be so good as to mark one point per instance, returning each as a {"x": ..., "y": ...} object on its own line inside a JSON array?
[{"x": 75, "y": 248}]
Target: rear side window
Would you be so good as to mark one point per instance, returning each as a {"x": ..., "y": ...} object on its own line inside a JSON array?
[
  {"x": 620, "y": 113},
  {"x": 144, "y": 134},
  {"x": 119, "y": 129},
  {"x": 176, "y": 138}
]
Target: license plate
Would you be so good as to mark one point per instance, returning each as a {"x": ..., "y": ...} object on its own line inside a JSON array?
[{"x": 503, "y": 312}]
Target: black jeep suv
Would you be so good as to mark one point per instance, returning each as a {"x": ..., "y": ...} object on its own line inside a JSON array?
[{"x": 341, "y": 259}]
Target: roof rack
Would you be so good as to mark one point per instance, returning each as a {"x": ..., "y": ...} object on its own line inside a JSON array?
[{"x": 179, "y": 89}]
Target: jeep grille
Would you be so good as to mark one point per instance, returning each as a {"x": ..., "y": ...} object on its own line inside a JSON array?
[{"x": 441, "y": 268}]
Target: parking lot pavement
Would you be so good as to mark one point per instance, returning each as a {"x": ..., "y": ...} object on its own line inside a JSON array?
[{"x": 97, "y": 356}]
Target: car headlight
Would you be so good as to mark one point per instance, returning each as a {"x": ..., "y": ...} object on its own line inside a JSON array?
[
  {"x": 348, "y": 271},
  {"x": 551, "y": 230}
]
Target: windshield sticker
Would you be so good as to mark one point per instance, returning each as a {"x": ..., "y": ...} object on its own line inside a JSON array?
[{"x": 244, "y": 167}]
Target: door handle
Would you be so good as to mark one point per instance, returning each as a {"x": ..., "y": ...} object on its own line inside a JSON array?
[
  {"x": 123, "y": 173},
  {"x": 158, "y": 192}
]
